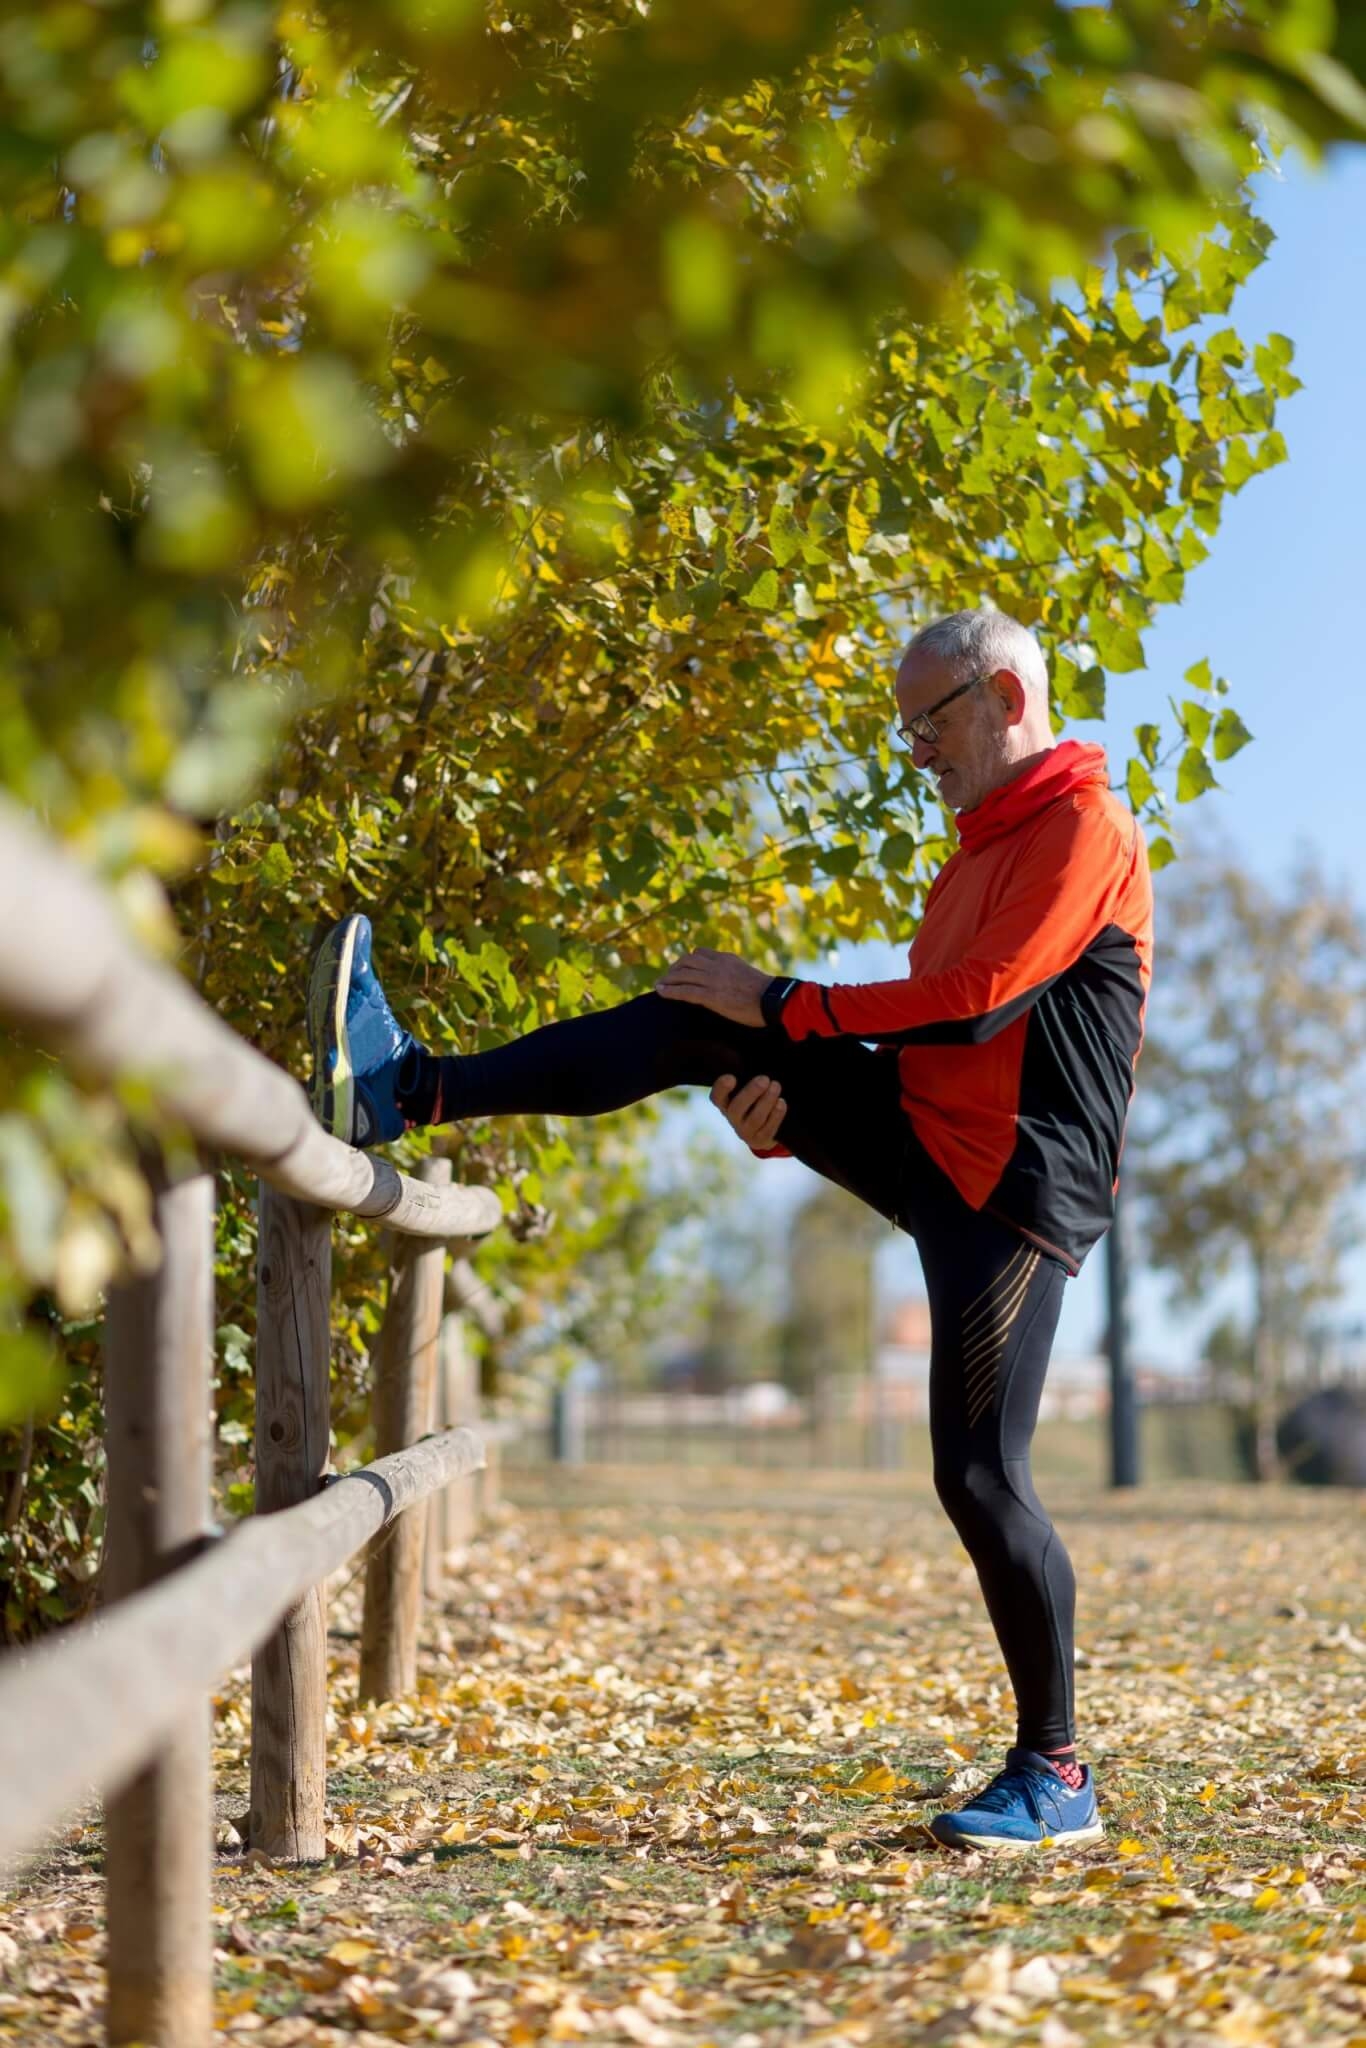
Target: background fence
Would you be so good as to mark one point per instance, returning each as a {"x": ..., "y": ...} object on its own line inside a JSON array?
[{"x": 854, "y": 1423}]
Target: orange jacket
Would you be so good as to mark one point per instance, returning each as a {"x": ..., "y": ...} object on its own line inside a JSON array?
[{"x": 1022, "y": 1017}]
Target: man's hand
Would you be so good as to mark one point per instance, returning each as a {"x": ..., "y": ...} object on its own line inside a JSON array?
[
  {"x": 755, "y": 1112},
  {"x": 718, "y": 981}
]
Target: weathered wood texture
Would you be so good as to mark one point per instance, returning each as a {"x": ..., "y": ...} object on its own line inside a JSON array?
[
  {"x": 87, "y": 1706},
  {"x": 469, "y": 1295},
  {"x": 434, "y": 1541},
  {"x": 158, "y": 1824},
  {"x": 405, "y": 1373},
  {"x": 452, "y": 1514},
  {"x": 289, "y": 1671},
  {"x": 103, "y": 1004}
]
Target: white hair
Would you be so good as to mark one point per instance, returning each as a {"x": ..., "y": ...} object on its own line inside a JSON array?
[{"x": 980, "y": 642}]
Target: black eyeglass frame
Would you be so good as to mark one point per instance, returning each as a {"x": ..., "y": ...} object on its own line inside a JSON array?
[{"x": 922, "y": 725}]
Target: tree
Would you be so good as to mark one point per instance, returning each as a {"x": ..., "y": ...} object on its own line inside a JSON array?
[
  {"x": 830, "y": 1329},
  {"x": 469, "y": 465},
  {"x": 1249, "y": 1132},
  {"x": 496, "y": 378}
]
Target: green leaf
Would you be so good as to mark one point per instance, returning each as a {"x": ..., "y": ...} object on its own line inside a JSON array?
[
  {"x": 276, "y": 867},
  {"x": 1194, "y": 776},
  {"x": 1195, "y": 721},
  {"x": 762, "y": 595},
  {"x": 572, "y": 985},
  {"x": 839, "y": 860},
  {"x": 1160, "y": 853},
  {"x": 1141, "y": 787},
  {"x": 857, "y": 528},
  {"x": 1271, "y": 449},
  {"x": 1238, "y": 463},
  {"x": 1118, "y": 645},
  {"x": 1200, "y": 677},
  {"x": 641, "y": 865},
  {"x": 1230, "y": 735},
  {"x": 30, "y": 1377},
  {"x": 1148, "y": 738},
  {"x": 1084, "y": 695},
  {"x": 898, "y": 850},
  {"x": 784, "y": 535}
]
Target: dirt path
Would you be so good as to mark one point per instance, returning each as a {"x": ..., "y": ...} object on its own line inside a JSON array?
[{"x": 666, "y": 1781}]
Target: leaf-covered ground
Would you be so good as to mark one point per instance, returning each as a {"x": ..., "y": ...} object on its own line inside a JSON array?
[{"x": 667, "y": 1778}]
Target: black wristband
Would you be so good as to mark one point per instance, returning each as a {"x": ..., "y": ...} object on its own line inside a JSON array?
[{"x": 776, "y": 997}]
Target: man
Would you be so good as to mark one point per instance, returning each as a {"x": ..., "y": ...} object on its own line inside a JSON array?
[{"x": 979, "y": 1103}]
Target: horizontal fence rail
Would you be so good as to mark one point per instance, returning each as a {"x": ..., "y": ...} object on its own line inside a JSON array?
[
  {"x": 82, "y": 1710},
  {"x": 97, "y": 1000}
]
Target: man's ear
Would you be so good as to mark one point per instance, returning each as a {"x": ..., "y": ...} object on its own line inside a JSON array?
[{"x": 1011, "y": 692}]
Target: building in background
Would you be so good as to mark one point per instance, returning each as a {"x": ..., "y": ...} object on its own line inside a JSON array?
[{"x": 1077, "y": 1386}]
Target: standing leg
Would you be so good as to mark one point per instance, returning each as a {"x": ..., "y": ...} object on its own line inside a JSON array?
[
  {"x": 994, "y": 1308},
  {"x": 994, "y": 1305}
]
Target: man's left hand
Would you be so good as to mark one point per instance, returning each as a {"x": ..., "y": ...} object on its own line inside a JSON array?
[{"x": 718, "y": 981}]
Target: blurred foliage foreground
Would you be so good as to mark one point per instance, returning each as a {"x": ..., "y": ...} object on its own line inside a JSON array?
[{"x": 477, "y": 465}]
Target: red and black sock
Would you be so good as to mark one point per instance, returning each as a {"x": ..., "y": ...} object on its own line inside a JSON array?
[{"x": 1064, "y": 1762}]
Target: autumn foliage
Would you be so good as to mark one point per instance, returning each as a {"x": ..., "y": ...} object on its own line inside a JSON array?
[{"x": 476, "y": 465}]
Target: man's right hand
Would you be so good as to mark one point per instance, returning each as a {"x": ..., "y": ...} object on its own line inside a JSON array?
[{"x": 755, "y": 1112}]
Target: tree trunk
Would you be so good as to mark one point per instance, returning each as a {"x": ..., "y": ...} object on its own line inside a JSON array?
[{"x": 1265, "y": 1377}]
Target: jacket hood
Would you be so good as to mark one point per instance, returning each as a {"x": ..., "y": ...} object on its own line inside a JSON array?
[{"x": 1064, "y": 769}]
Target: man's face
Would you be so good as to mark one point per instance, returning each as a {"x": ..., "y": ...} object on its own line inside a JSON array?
[{"x": 971, "y": 756}]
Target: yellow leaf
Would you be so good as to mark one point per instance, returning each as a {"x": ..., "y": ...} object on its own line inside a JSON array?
[
  {"x": 1269, "y": 1897},
  {"x": 1130, "y": 1846},
  {"x": 350, "y": 1954},
  {"x": 878, "y": 1778}
]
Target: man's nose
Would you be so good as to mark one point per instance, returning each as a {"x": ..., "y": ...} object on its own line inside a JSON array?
[{"x": 922, "y": 752}]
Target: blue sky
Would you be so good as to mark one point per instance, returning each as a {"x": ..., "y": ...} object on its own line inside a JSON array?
[
  {"x": 1275, "y": 608},
  {"x": 1275, "y": 611}
]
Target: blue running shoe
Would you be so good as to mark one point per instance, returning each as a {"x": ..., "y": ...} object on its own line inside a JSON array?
[
  {"x": 1025, "y": 1806},
  {"x": 358, "y": 1043}
]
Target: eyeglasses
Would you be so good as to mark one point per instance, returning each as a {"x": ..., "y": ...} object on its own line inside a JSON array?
[{"x": 923, "y": 727}]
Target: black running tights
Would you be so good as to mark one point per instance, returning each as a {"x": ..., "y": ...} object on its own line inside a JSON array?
[{"x": 994, "y": 1298}]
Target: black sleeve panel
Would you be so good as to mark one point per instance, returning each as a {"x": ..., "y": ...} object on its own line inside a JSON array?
[{"x": 965, "y": 1030}]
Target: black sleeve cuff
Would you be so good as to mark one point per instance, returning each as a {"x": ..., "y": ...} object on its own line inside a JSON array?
[{"x": 776, "y": 997}]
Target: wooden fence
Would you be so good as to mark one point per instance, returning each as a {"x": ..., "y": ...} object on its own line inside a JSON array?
[{"x": 121, "y": 1704}]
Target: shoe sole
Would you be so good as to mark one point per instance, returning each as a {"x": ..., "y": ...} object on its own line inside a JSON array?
[
  {"x": 1075, "y": 1838},
  {"x": 334, "y": 1090}
]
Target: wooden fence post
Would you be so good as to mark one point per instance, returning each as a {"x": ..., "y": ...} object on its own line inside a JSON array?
[
  {"x": 405, "y": 1369},
  {"x": 457, "y": 1507},
  {"x": 159, "y": 1827},
  {"x": 434, "y": 1535},
  {"x": 293, "y": 1416},
  {"x": 487, "y": 1373}
]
